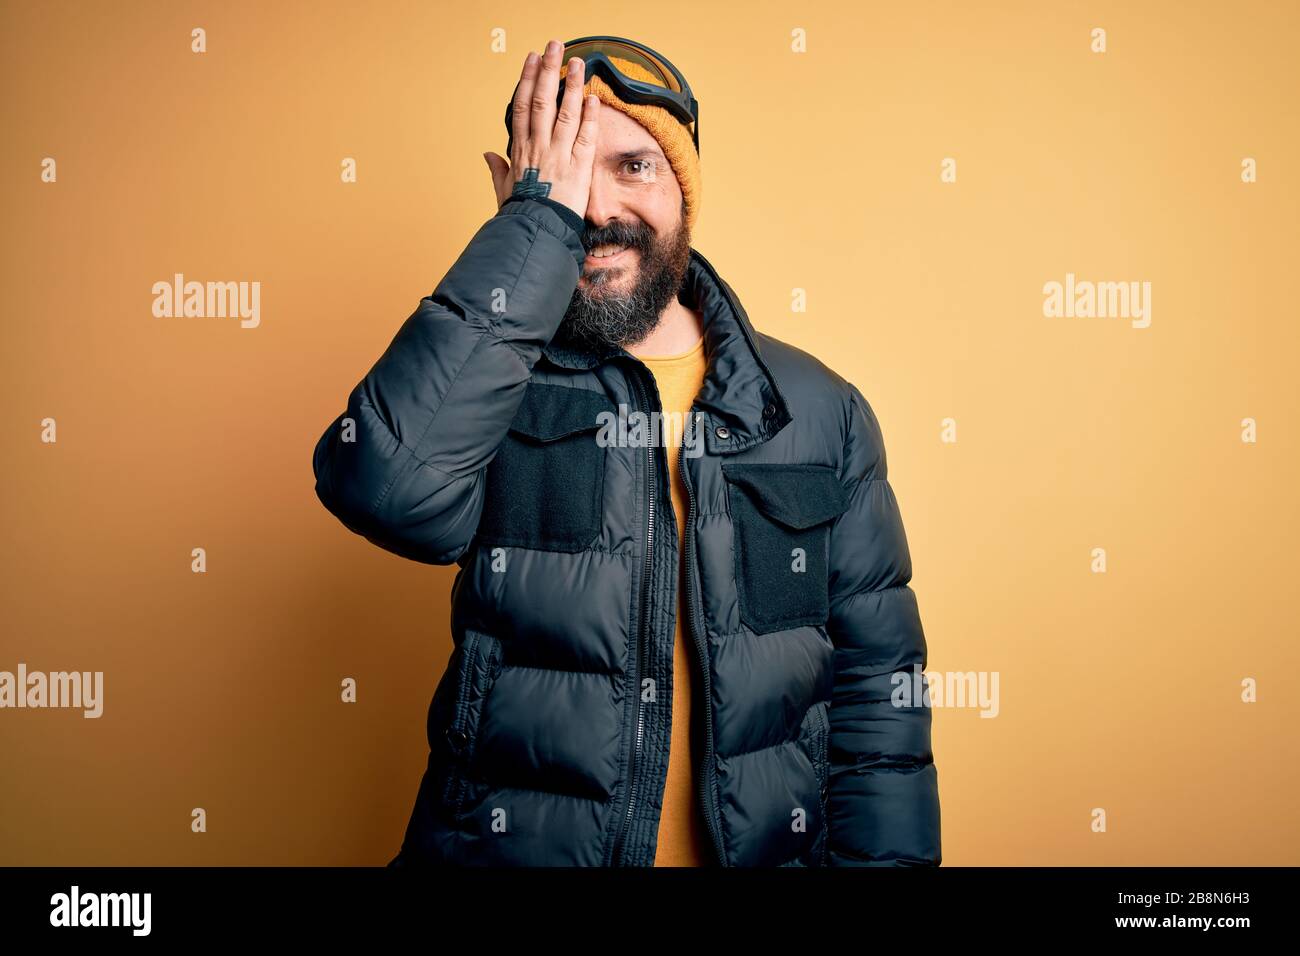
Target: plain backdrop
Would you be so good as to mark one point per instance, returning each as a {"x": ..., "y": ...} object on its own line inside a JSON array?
[{"x": 821, "y": 172}]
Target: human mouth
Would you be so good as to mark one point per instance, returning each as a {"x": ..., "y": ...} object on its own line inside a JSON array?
[{"x": 607, "y": 255}]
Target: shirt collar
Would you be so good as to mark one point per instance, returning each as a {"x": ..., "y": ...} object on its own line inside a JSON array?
[{"x": 740, "y": 401}]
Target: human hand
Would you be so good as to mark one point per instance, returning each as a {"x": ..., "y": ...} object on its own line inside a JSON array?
[{"x": 559, "y": 145}]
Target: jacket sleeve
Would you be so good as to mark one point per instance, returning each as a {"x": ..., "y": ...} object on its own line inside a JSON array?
[
  {"x": 882, "y": 801},
  {"x": 403, "y": 465}
]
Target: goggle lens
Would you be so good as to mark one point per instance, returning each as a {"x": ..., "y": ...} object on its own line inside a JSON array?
[{"x": 662, "y": 74}]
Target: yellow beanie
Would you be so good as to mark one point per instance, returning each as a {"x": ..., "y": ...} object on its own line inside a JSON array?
[{"x": 671, "y": 134}]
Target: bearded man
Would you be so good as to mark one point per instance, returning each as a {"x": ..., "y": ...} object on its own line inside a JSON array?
[{"x": 659, "y": 658}]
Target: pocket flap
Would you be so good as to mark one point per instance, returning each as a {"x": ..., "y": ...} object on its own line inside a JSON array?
[
  {"x": 548, "y": 412},
  {"x": 798, "y": 496}
]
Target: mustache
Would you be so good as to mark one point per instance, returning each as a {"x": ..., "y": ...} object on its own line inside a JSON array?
[{"x": 617, "y": 233}]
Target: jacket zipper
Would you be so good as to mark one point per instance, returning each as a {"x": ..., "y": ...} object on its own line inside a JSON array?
[
  {"x": 825, "y": 758},
  {"x": 711, "y": 815},
  {"x": 642, "y": 628},
  {"x": 456, "y": 783}
]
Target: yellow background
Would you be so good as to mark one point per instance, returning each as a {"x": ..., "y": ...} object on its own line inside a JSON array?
[{"x": 821, "y": 172}]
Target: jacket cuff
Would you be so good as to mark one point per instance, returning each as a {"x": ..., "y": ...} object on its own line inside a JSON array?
[{"x": 567, "y": 215}]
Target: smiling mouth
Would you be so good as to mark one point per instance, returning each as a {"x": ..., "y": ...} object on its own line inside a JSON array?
[{"x": 607, "y": 255}]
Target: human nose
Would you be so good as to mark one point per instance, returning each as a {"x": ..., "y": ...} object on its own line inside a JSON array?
[{"x": 603, "y": 202}]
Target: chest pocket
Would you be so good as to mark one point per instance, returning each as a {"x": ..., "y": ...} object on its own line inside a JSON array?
[
  {"x": 545, "y": 486},
  {"x": 781, "y": 515}
]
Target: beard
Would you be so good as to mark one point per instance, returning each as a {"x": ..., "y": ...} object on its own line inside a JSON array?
[{"x": 601, "y": 316}]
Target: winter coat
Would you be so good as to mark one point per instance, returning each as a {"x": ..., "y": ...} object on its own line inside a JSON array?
[{"x": 480, "y": 437}]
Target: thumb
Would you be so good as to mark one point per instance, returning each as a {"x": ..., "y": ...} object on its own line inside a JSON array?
[{"x": 500, "y": 169}]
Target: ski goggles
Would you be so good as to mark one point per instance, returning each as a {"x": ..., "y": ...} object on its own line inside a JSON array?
[{"x": 595, "y": 52}]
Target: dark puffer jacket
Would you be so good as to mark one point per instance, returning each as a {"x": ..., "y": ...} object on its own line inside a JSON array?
[{"x": 476, "y": 439}]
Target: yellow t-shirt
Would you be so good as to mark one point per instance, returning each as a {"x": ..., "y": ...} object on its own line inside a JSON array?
[{"x": 683, "y": 838}]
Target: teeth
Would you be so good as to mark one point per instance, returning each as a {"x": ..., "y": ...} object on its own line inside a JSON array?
[{"x": 600, "y": 252}]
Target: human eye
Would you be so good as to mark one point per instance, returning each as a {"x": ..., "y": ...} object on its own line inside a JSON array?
[{"x": 638, "y": 170}]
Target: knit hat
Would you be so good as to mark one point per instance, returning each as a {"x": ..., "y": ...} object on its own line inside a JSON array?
[{"x": 671, "y": 134}]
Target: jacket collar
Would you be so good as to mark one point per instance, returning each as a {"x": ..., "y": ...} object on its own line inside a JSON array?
[{"x": 741, "y": 402}]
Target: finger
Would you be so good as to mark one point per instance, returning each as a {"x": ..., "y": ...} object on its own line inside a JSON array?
[
  {"x": 584, "y": 145},
  {"x": 542, "y": 121},
  {"x": 523, "y": 103},
  {"x": 570, "y": 114}
]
